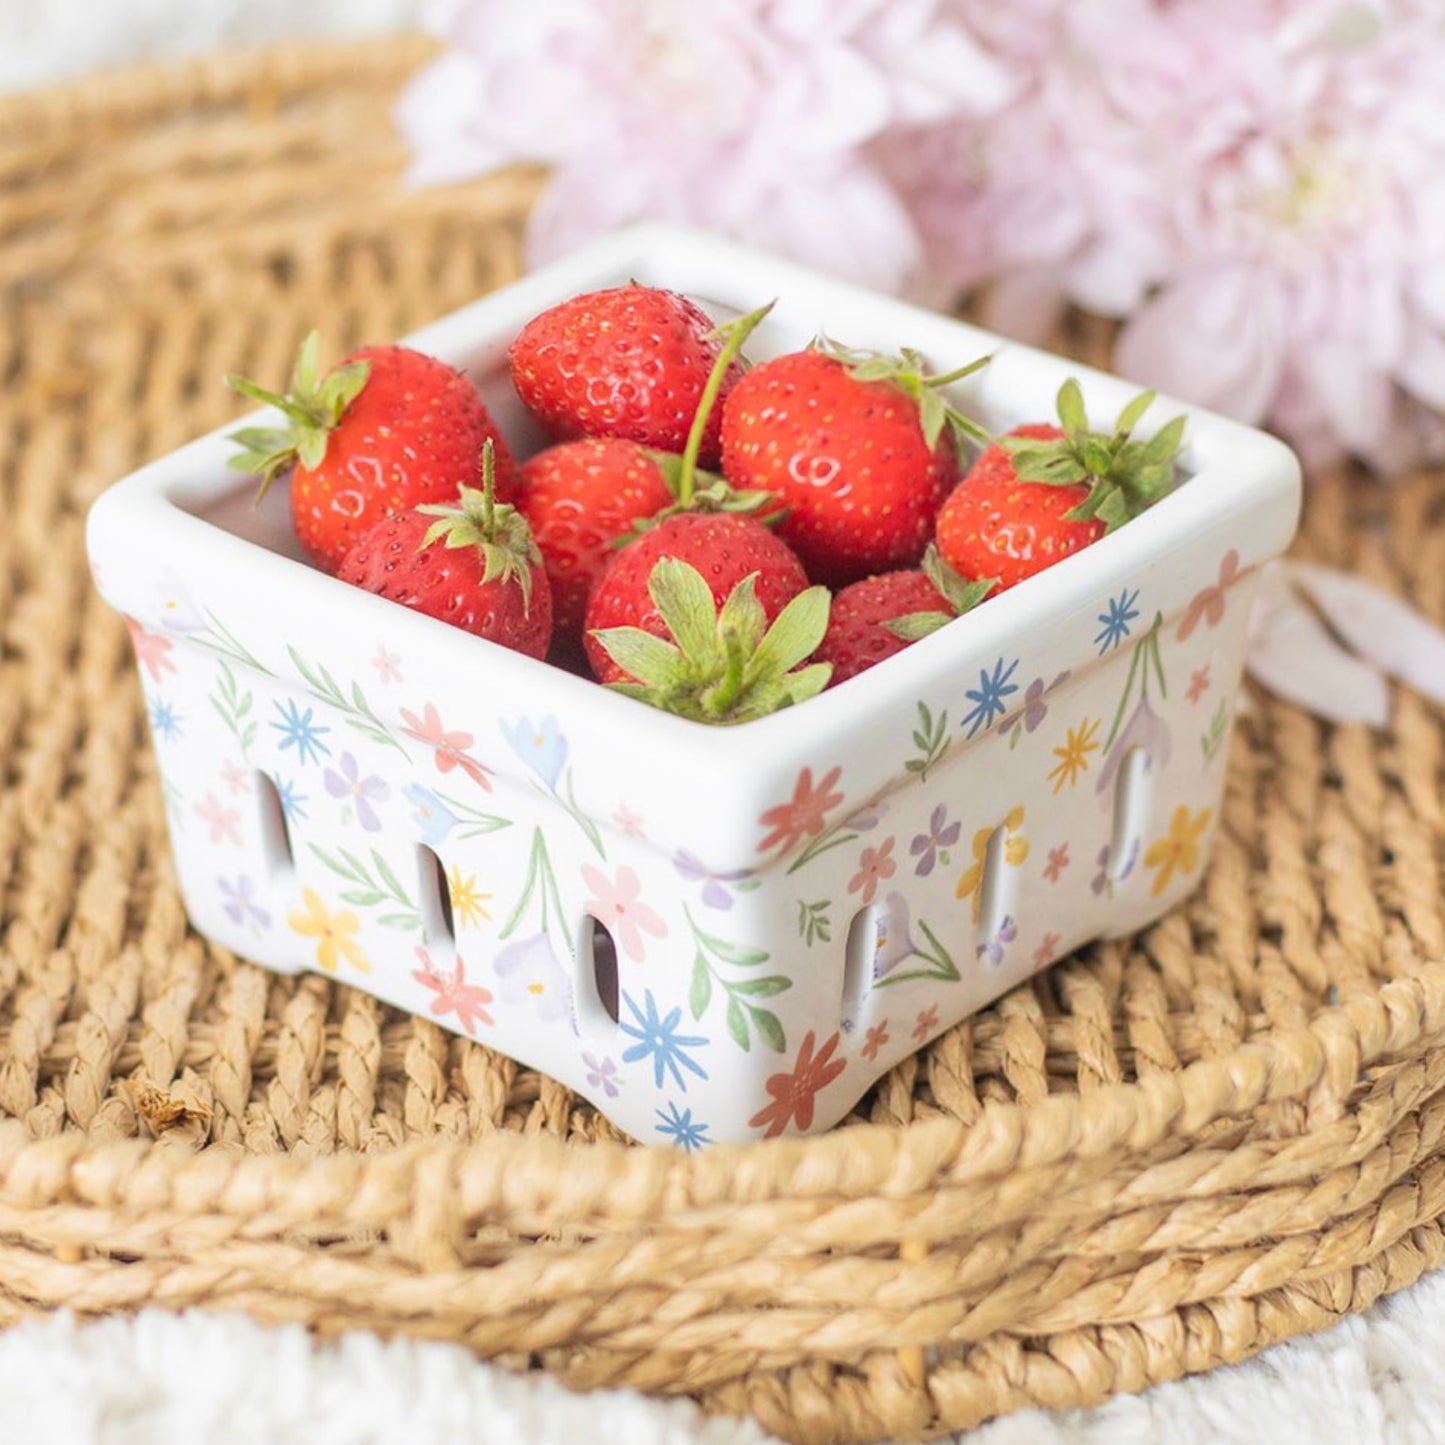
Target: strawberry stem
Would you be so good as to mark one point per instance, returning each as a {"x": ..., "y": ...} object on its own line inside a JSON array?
[
  {"x": 736, "y": 333},
  {"x": 489, "y": 485}
]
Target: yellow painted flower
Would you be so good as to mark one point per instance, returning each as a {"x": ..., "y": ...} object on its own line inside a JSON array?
[
  {"x": 1073, "y": 757},
  {"x": 1015, "y": 850},
  {"x": 332, "y": 932},
  {"x": 1178, "y": 850},
  {"x": 468, "y": 903}
]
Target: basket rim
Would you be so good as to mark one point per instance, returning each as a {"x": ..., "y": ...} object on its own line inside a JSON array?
[{"x": 626, "y": 1185}]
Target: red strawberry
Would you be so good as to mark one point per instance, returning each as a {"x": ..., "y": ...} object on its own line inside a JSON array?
[
  {"x": 389, "y": 428},
  {"x": 859, "y": 449},
  {"x": 580, "y": 497},
  {"x": 881, "y": 615},
  {"x": 1043, "y": 492},
  {"x": 472, "y": 563},
  {"x": 628, "y": 362},
  {"x": 747, "y": 578}
]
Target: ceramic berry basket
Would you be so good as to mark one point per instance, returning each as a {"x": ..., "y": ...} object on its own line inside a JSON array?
[{"x": 712, "y": 933}]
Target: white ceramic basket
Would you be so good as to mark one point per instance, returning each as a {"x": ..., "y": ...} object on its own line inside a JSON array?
[{"x": 713, "y": 934}]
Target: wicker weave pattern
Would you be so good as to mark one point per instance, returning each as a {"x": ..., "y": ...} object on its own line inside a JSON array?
[{"x": 1161, "y": 1156}]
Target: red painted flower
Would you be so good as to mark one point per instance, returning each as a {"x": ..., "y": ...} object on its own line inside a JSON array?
[
  {"x": 927, "y": 1023},
  {"x": 1207, "y": 605},
  {"x": 454, "y": 995},
  {"x": 1198, "y": 683},
  {"x": 877, "y": 1037},
  {"x": 152, "y": 651},
  {"x": 451, "y": 748},
  {"x": 794, "y": 1093},
  {"x": 804, "y": 813},
  {"x": 1058, "y": 861}
]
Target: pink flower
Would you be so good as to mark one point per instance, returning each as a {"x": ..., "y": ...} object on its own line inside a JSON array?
[
  {"x": 1198, "y": 683},
  {"x": 450, "y": 747},
  {"x": 1048, "y": 947},
  {"x": 1058, "y": 861},
  {"x": 926, "y": 1023},
  {"x": 615, "y": 903},
  {"x": 224, "y": 822},
  {"x": 387, "y": 664},
  {"x": 235, "y": 777},
  {"x": 1247, "y": 183},
  {"x": 875, "y": 865},
  {"x": 750, "y": 117}
]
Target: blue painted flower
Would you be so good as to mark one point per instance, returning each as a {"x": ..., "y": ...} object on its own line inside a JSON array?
[
  {"x": 299, "y": 732},
  {"x": 994, "y": 686},
  {"x": 165, "y": 720},
  {"x": 658, "y": 1038},
  {"x": 678, "y": 1126},
  {"x": 293, "y": 804},
  {"x": 542, "y": 748},
  {"x": 430, "y": 814},
  {"x": 1115, "y": 620}
]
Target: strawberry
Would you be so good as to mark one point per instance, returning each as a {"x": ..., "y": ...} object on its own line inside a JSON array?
[
  {"x": 1043, "y": 492},
  {"x": 703, "y": 649},
  {"x": 859, "y": 448},
  {"x": 881, "y": 615},
  {"x": 580, "y": 497},
  {"x": 584, "y": 498},
  {"x": 471, "y": 563},
  {"x": 387, "y": 429},
  {"x": 628, "y": 362}
]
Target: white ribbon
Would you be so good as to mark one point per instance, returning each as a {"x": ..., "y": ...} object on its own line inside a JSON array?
[{"x": 1329, "y": 642}]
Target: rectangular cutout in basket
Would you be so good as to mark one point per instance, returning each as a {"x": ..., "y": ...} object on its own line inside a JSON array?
[{"x": 713, "y": 934}]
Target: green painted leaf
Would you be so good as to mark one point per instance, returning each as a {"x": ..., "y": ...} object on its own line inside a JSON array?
[
  {"x": 767, "y": 987},
  {"x": 770, "y": 1030},
  {"x": 738, "y": 1025},
  {"x": 700, "y": 994}
]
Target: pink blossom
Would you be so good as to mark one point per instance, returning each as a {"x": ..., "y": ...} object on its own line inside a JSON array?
[
  {"x": 751, "y": 117},
  {"x": 617, "y": 905},
  {"x": 224, "y": 822}
]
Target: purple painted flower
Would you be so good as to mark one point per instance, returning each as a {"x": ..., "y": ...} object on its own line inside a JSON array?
[
  {"x": 892, "y": 940},
  {"x": 941, "y": 835},
  {"x": 239, "y": 901},
  {"x": 348, "y": 783},
  {"x": 1034, "y": 710},
  {"x": 1145, "y": 732},
  {"x": 994, "y": 948},
  {"x": 715, "y": 892},
  {"x": 531, "y": 973},
  {"x": 602, "y": 1074}
]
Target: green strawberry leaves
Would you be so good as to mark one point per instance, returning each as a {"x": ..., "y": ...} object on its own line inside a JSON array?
[
  {"x": 1124, "y": 477},
  {"x": 960, "y": 597},
  {"x": 498, "y": 531},
  {"x": 314, "y": 406},
  {"x": 908, "y": 371},
  {"x": 723, "y": 665}
]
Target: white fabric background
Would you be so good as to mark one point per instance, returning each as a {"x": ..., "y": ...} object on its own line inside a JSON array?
[{"x": 223, "y": 1380}]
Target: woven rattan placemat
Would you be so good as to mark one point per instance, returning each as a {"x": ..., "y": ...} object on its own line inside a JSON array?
[{"x": 1155, "y": 1158}]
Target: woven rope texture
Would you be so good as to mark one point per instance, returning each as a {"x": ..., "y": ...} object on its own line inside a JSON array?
[{"x": 1158, "y": 1157}]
